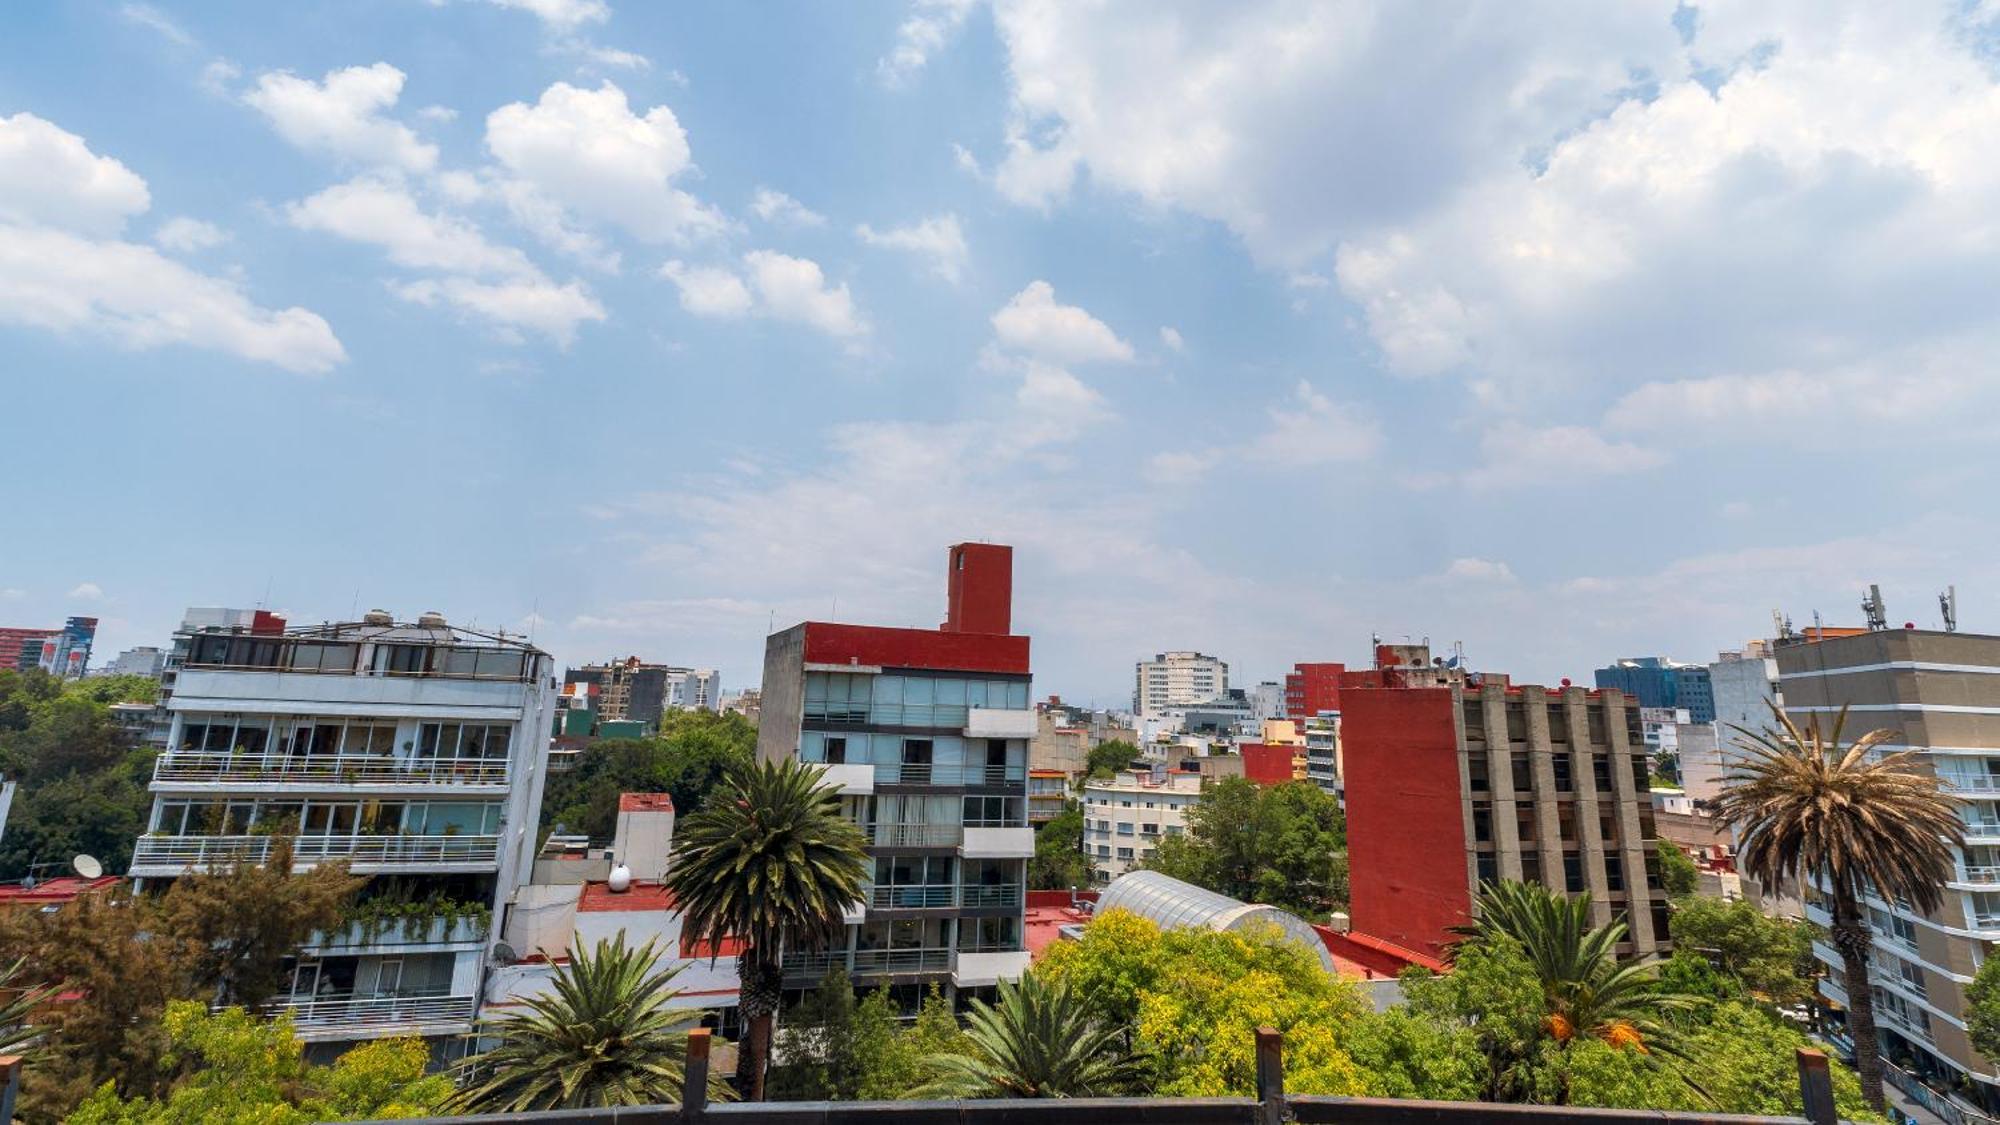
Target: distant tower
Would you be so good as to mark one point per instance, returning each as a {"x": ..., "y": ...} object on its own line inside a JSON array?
[{"x": 980, "y": 592}]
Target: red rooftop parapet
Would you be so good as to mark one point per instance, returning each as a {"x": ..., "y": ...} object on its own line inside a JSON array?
[{"x": 981, "y": 589}]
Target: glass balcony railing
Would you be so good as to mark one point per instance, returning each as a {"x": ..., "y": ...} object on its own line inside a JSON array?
[
  {"x": 913, "y": 897},
  {"x": 914, "y": 835},
  {"x": 328, "y": 769},
  {"x": 859, "y": 962},
  {"x": 416, "y": 852}
]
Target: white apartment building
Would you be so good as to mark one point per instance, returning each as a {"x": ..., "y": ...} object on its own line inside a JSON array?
[
  {"x": 412, "y": 751},
  {"x": 1322, "y": 735},
  {"x": 1126, "y": 817},
  {"x": 1178, "y": 679}
]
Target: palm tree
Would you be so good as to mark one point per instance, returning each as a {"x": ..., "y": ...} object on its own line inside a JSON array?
[
  {"x": 18, "y": 1002},
  {"x": 1040, "y": 1040},
  {"x": 768, "y": 860},
  {"x": 1587, "y": 991},
  {"x": 1808, "y": 808},
  {"x": 604, "y": 1035}
]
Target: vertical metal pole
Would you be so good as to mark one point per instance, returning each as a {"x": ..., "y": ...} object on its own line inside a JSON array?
[
  {"x": 1270, "y": 1076},
  {"x": 10, "y": 1085},
  {"x": 1816, "y": 1087},
  {"x": 694, "y": 1080}
]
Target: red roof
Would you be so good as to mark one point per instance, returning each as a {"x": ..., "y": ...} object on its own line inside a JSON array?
[
  {"x": 727, "y": 947},
  {"x": 645, "y": 802},
  {"x": 1376, "y": 956},
  {"x": 641, "y": 896},
  {"x": 876, "y": 646},
  {"x": 54, "y": 892}
]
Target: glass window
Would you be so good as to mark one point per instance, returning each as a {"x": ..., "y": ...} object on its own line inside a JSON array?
[
  {"x": 502, "y": 663},
  {"x": 918, "y": 692},
  {"x": 950, "y": 693},
  {"x": 459, "y": 661},
  {"x": 975, "y": 693},
  {"x": 836, "y": 751}
]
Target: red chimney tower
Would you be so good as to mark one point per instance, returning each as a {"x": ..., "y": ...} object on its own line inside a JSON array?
[{"x": 981, "y": 589}]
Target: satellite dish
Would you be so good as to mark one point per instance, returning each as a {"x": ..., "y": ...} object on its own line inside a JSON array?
[
  {"x": 504, "y": 952},
  {"x": 87, "y": 866}
]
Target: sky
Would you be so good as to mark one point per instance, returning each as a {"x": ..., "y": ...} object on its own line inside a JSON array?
[{"x": 1567, "y": 331}]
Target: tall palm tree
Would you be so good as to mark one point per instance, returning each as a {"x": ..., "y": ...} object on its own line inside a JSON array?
[
  {"x": 604, "y": 1035},
  {"x": 1040, "y": 1040},
  {"x": 768, "y": 860},
  {"x": 1588, "y": 992},
  {"x": 1810, "y": 809}
]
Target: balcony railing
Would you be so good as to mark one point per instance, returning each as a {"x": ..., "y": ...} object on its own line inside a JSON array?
[
  {"x": 381, "y": 851},
  {"x": 362, "y": 1012},
  {"x": 999, "y": 894},
  {"x": 938, "y": 773},
  {"x": 812, "y": 966},
  {"x": 1982, "y": 827},
  {"x": 396, "y": 931},
  {"x": 914, "y": 835},
  {"x": 1980, "y": 873},
  {"x": 1981, "y": 785},
  {"x": 330, "y": 769},
  {"x": 912, "y": 898}
]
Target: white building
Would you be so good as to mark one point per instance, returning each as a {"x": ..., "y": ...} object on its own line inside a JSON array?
[
  {"x": 1322, "y": 735},
  {"x": 1126, "y": 817},
  {"x": 1178, "y": 679},
  {"x": 145, "y": 660},
  {"x": 412, "y": 751},
  {"x": 1267, "y": 700}
]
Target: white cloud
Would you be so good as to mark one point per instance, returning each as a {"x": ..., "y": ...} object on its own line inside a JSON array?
[
  {"x": 1171, "y": 337},
  {"x": 966, "y": 162},
  {"x": 13, "y": 593},
  {"x": 777, "y": 207},
  {"x": 708, "y": 290},
  {"x": 188, "y": 235},
  {"x": 1313, "y": 429},
  {"x": 87, "y": 592},
  {"x": 216, "y": 77},
  {"x": 158, "y": 22},
  {"x": 930, "y": 25},
  {"x": 560, "y": 15},
  {"x": 48, "y": 176},
  {"x": 536, "y": 304},
  {"x": 382, "y": 213},
  {"x": 438, "y": 114},
  {"x": 343, "y": 116},
  {"x": 1479, "y": 570},
  {"x": 1034, "y": 323},
  {"x": 587, "y": 151},
  {"x": 937, "y": 239},
  {"x": 1182, "y": 466},
  {"x": 773, "y": 285},
  {"x": 795, "y": 289},
  {"x": 1518, "y": 455},
  {"x": 615, "y": 58},
  {"x": 63, "y": 268}
]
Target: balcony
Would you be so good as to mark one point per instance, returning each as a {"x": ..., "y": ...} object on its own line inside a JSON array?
[
  {"x": 866, "y": 962},
  {"x": 174, "y": 855},
  {"x": 939, "y": 773},
  {"x": 1980, "y": 875},
  {"x": 998, "y": 843},
  {"x": 973, "y": 970},
  {"x": 346, "y": 1016},
  {"x": 989, "y": 894},
  {"x": 925, "y": 897},
  {"x": 1982, "y": 830},
  {"x": 252, "y": 773},
  {"x": 1971, "y": 785},
  {"x": 993, "y": 722},
  {"x": 399, "y": 935},
  {"x": 913, "y": 835}
]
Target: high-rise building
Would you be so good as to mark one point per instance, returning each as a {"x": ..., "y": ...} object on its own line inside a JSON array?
[
  {"x": 63, "y": 652},
  {"x": 145, "y": 660},
  {"x": 926, "y": 733},
  {"x": 1742, "y": 686},
  {"x": 1453, "y": 782},
  {"x": 1178, "y": 679},
  {"x": 1940, "y": 695},
  {"x": 630, "y": 690},
  {"x": 1655, "y": 681},
  {"x": 412, "y": 751},
  {"x": 1312, "y": 690}
]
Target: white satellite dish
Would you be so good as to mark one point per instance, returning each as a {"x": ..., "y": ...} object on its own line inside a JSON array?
[{"x": 87, "y": 866}]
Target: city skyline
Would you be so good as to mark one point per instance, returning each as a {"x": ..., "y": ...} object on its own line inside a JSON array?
[{"x": 1525, "y": 340}]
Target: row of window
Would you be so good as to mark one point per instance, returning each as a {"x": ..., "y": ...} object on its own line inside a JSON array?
[
  {"x": 972, "y": 812},
  {"x": 914, "y": 691},
  {"x": 1573, "y": 875},
  {"x": 946, "y": 871},
  {"x": 1527, "y": 823},
  {"x": 1105, "y": 851},
  {"x": 881, "y": 749},
  {"x": 1142, "y": 802},
  {"x": 295, "y": 654},
  {"x": 327, "y": 818},
  {"x": 357, "y": 738},
  {"x": 1479, "y": 780}
]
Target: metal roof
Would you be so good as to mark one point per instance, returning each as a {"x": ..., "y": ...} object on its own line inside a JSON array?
[{"x": 1170, "y": 904}]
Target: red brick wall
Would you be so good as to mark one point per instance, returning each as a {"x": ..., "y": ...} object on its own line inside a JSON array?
[
  {"x": 914, "y": 648},
  {"x": 1405, "y": 824},
  {"x": 980, "y": 589},
  {"x": 1266, "y": 764},
  {"x": 1312, "y": 688}
]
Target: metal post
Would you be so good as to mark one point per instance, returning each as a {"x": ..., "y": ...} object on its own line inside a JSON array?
[
  {"x": 1816, "y": 1087},
  {"x": 10, "y": 1084},
  {"x": 1270, "y": 1076},
  {"x": 694, "y": 1079}
]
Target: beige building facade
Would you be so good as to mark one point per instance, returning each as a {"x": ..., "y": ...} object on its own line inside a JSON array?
[{"x": 1126, "y": 817}]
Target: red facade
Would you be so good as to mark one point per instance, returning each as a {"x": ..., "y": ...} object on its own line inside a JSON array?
[
  {"x": 980, "y": 591},
  {"x": 1405, "y": 820},
  {"x": 1266, "y": 764},
  {"x": 1312, "y": 688}
]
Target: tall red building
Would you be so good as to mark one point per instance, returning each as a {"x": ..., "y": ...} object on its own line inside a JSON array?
[{"x": 1311, "y": 689}]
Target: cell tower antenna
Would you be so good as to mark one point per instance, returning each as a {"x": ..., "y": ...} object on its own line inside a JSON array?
[
  {"x": 1871, "y": 604},
  {"x": 1948, "y": 606}
]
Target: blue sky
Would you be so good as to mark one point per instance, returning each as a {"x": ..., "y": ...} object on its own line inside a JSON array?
[{"x": 1565, "y": 331}]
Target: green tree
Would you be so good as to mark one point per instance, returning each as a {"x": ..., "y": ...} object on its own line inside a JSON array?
[
  {"x": 244, "y": 924},
  {"x": 18, "y": 1001},
  {"x": 1809, "y": 809},
  {"x": 1678, "y": 874},
  {"x": 1492, "y": 993},
  {"x": 1059, "y": 863},
  {"x": 1106, "y": 758},
  {"x": 1982, "y": 999},
  {"x": 689, "y": 756},
  {"x": 1039, "y": 1039},
  {"x": 903, "y": 1066},
  {"x": 82, "y": 781},
  {"x": 1404, "y": 1055},
  {"x": 1285, "y": 846},
  {"x": 237, "y": 1069},
  {"x": 830, "y": 1042},
  {"x": 769, "y": 859},
  {"x": 606, "y": 1034},
  {"x": 1745, "y": 1060},
  {"x": 1767, "y": 957}
]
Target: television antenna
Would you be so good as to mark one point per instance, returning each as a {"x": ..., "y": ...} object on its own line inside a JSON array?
[{"x": 1948, "y": 606}]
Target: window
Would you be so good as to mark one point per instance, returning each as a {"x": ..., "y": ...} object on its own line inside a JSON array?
[
  {"x": 836, "y": 751},
  {"x": 1560, "y": 761},
  {"x": 1488, "y": 869},
  {"x": 1149, "y": 830},
  {"x": 401, "y": 659},
  {"x": 1104, "y": 851},
  {"x": 1482, "y": 825},
  {"x": 1572, "y": 872},
  {"x": 1523, "y": 782},
  {"x": 916, "y": 751},
  {"x": 1600, "y": 771},
  {"x": 1614, "y": 871},
  {"x": 1124, "y": 853},
  {"x": 321, "y": 656},
  {"x": 1124, "y": 828},
  {"x": 1475, "y": 771}
]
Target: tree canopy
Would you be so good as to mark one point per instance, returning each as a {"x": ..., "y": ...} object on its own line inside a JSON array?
[
  {"x": 691, "y": 754},
  {"x": 1059, "y": 863},
  {"x": 82, "y": 781},
  {"x": 1106, "y": 758},
  {"x": 1285, "y": 845}
]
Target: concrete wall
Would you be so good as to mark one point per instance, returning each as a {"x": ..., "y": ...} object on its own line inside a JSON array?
[{"x": 782, "y": 709}]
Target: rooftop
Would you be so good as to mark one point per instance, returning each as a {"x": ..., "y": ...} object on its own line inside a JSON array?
[
  {"x": 54, "y": 892},
  {"x": 645, "y": 802}
]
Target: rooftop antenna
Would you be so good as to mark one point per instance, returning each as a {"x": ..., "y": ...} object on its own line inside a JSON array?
[
  {"x": 1819, "y": 627},
  {"x": 1948, "y": 606},
  {"x": 1871, "y": 604}
]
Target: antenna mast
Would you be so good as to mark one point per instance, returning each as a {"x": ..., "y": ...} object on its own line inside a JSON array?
[
  {"x": 1871, "y": 604},
  {"x": 1948, "y": 606}
]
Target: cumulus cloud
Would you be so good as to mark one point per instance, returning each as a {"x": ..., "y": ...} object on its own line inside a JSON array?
[
  {"x": 938, "y": 240},
  {"x": 1516, "y": 454},
  {"x": 770, "y": 284},
  {"x": 560, "y": 15},
  {"x": 930, "y": 25},
  {"x": 188, "y": 235},
  {"x": 1312, "y": 429},
  {"x": 535, "y": 304},
  {"x": 65, "y": 268},
  {"x": 587, "y": 151},
  {"x": 1034, "y": 323},
  {"x": 776, "y": 207},
  {"x": 1171, "y": 337},
  {"x": 343, "y": 116},
  {"x": 87, "y": 592},
  {"x": 383, "y": 213},
  {"x": 1479, "y": 570}
]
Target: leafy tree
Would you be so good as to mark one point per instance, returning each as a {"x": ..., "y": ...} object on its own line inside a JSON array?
[
  {"x": 1768, "y": 957},
  {"x": 82, "y": 781},
  {"x": 1039, "y": 1039},
  {"x": 1491, "y": 992},
  {"x": 1404, "y": 1055},
  {"x": 1059, "y": 863},
  {"x": 1745, "y": 1060},
  {"x": 239, "y": 1069},
  {"x": 245, "y": 923},
  {"x": 1678, "y": 874},
  {"x": 688, "y": 758},
  {"x": 114, "y": 689},
  {"x": 771, "y": 860},
  {"x": 831, "y": 1042},
  {"x": 1285, "y": 845},
  {"x": 903, "y": 1067},
  {"x": 1809, "y": 808},
  {"x": 1982, "y": 1018},
  {"x": 1114, "y": 963},
  {"x": 606, "y": 1034},
  {"x": 1106, "y": 758}
]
